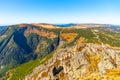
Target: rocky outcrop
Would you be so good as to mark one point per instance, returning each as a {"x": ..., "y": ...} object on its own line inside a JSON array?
[{"x": 77, "y": 61}]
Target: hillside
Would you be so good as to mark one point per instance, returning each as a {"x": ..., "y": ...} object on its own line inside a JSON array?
[
  {"x": 21, "y": 43},
  {"x": 42, "y": 52}
]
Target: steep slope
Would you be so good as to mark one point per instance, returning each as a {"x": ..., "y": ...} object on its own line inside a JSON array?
[{"x": 21, "y": 43}]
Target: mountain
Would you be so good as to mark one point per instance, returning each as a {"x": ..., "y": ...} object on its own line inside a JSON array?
[
  {"x": 24, "y": 42},
  {"x": 51, "y": 52},
  {"x": 66, "y": 25}
]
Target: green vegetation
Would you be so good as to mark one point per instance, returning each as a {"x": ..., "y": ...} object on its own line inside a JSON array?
[
  {"x": 22, "y": 70},
  {"x": 87, "y": 33},
  {"x": 8, "y": 66},
  {"x": 56, "y": 31},
  {"x": 105, "y": 37},
  {"x": 33, "y": 40},
  {"x": 17, "y": 48},
  {"x": 3, "y": 44},
  {"x": 110, "y": 38}
]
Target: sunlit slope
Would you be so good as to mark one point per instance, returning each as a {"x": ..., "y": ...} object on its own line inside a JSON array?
[{"x": 91, "y": 36}]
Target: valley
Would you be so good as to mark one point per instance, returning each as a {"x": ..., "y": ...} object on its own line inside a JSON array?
[{"x": 51, "y": 52}]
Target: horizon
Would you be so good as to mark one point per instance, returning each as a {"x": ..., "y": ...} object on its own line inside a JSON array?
[
  {"x": 59, "y": 11},
  {"x": 62, "y": 24}
]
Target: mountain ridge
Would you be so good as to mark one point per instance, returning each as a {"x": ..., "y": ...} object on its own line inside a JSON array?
[{"x": 26, "y": 45}]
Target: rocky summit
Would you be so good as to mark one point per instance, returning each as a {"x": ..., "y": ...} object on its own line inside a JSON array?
[{"x": 85, "y": 61}]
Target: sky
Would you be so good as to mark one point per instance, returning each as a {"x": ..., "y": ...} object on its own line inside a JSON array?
[{"x": 59, "y": 11}]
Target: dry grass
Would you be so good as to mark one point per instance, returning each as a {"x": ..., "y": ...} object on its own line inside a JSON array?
[
  {"x": 93, "y": 60},
  {"x": 68, "y": 36},
  {"x": 80, "y": 40},
  {"x": 113, "y": 72},
  {"x": 40, "y": 32},
  {"x": 37, "y": 48},
  {"x": 49, "y": 26}
]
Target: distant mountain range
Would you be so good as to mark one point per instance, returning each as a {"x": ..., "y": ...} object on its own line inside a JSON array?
[
  {"x": 2, "y": 27},
  {"x": 66, "y": 25}
]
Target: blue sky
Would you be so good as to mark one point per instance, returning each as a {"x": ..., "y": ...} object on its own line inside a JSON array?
[{"x": 59, "y": 11}]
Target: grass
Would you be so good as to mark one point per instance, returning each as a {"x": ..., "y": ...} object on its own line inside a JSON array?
[
  {"x": 68, "y": 37},
  {"x": 21, "y": 71},
  {"x": 106, "y": 37},
  {"x": 8, "y": 66},
  {"x": 110, "y": 38},
  {"x": 86, "y": 33}
]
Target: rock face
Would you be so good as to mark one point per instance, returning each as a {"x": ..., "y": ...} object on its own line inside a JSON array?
[{"x": 77, "y": 61}]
